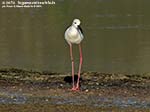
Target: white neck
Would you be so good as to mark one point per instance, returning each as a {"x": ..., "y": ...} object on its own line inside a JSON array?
[{"x": 75, "y": 25}]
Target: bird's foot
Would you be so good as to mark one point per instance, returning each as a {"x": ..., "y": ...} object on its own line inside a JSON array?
[{"x": 75, "y": 89}]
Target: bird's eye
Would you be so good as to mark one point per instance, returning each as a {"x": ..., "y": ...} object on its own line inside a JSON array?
[{"x": 74, "y": 22}]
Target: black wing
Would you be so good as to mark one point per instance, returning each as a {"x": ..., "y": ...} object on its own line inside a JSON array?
[{"x": 79, "y": 28}]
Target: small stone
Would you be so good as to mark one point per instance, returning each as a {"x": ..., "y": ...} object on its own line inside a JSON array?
[
  {"x": 47, "y": 87},
  {"x": 15, "y": 99},
  {"x": 31, "y": 89},
  {"x": 125, "y": 92},
  {"x": 86, "y": 90},
  {"x": 97, "y": 83},
  {"x": 46, "y": 100},
  {"x": 134, "y": 94},
  {"x": 61, "y": 85},
  {"x": 20, "y": 89},
  {"x": 14, "y": 87},
  {"x": 12, "y": 97}
]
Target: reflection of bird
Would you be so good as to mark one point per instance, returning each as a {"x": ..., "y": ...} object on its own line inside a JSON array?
[{"x": 74, "y": 35}]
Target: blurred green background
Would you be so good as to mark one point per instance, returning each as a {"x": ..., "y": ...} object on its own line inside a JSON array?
[{"x": 117, "y": 36}]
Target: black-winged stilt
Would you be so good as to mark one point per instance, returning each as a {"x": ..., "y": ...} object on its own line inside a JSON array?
[{"x": 74, "y": 35}]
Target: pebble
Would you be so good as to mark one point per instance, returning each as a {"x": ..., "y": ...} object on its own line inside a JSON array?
[
  {"x": 97, "y": 83},
  {"x": 20, "y": 89},
  {"x": 46, "y": 100},
  {"x": 12, "y": 97},
  {"x": 14, "y": 87},
  {"x": 47, "y": 87},
  {"x": 31, "y": 89},
  {"x": 125, "y": 92},
  {"x": 134, "y": 94},
  {"x": 86, "y": 90},
  {"x": 61, "y": 85}
]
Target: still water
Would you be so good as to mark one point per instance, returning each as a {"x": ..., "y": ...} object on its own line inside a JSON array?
[{"x": 117, "y": 36}]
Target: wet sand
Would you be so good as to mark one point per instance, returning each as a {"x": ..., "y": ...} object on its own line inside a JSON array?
[{"x": 25, "y": 91}]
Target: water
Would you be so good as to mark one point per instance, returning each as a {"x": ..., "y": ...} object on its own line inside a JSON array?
[
  {"x": 91, "y": 101},
  {"x": 116, "y": 36}
]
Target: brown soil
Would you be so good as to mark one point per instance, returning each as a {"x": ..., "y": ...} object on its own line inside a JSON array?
[{"x": 50, "y": 92}]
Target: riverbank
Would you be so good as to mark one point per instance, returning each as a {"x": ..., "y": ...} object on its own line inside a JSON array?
[{"x": 49, "y": 91}]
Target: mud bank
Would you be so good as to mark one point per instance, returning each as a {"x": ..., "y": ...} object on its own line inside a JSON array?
[{"x": 47, "y": 91}]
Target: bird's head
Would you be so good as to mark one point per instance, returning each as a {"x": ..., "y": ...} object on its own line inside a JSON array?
[{"x": 76, "y": 22}]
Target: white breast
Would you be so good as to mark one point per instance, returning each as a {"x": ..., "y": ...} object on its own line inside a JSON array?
[{"x": 72, "y": 35}]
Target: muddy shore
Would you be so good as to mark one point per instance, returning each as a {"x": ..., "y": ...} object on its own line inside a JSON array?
[{"x": 49, "y": 92}]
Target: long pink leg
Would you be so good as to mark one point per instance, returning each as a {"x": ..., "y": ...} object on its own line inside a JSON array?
[
  {"x": 80, "y": 65},
  {"x": 71, "y": 55}
]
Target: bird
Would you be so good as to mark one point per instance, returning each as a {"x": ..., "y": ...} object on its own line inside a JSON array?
[{"x": 74, "y": 35}]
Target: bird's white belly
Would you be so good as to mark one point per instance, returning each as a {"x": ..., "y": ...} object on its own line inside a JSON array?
[{"x": 73, "y": 36}]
